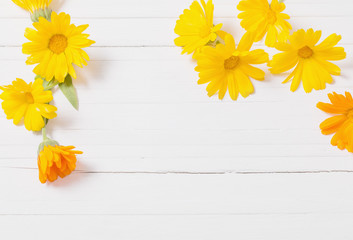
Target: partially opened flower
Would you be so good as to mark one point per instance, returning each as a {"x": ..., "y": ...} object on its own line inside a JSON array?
[
  {"x": 37, "y": 8},
  {"x": 28, "y": 102},
  {"x": 195, "y": 27},
  {"x": 262, "y": 18},
  {"x": 32, "y": 5},
  {"x": 55, "y": 45},
  {"x": 54, "y": 161},
  {"x": 309, "y": 59},
  {"x": 227, "y": 67},
  {"x": 342, "y": 123}
]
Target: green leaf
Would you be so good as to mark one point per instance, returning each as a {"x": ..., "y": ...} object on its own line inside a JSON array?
[{"x": 69, "y": 91}]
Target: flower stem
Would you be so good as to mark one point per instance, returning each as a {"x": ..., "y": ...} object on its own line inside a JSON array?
[
  {"x": 51, "y": 85},
  {"x": 281, "y": 1},
  {"x": 44, "y": 133}
]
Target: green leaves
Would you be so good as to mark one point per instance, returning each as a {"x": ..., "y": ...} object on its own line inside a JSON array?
[
  {"x": 66, "y": 87},
  {"x": 69, "y": 91}
]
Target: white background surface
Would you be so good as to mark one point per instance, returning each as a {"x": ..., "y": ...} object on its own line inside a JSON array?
[{"x": 162, "y": 160}]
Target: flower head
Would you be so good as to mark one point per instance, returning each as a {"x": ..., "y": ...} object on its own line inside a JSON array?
[
  {"x": 262, "y": 18},
  {"x": 229, "y": 67},
  {"x": 342, "y": 123},
  {"x": 54, "y": 161},
  {"x": 28, "y": 102},
  {"x": 55, "y": 45},
  {"x": 195, "y": 27},
  {"x": 309, "y": 59},
  {"x": 32, "y": 5}
]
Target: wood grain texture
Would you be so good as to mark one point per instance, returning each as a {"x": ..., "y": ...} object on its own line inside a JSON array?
[
  {"x": 175, "y": 227},
  {"x": 161, "y": 159}
]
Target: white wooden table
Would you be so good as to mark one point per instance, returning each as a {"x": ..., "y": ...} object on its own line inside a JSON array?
[{"x": 162, "y": 160}]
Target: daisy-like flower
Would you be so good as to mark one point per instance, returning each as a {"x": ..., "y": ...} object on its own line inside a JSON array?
[
  {"x": 262, "y": 18},
  {"x": 54, "y": 161},
  {"x": 28, "y": 102},
  {"x": 32, "y": 5},
  {"x": 229, "y": 67},
  {"x": 342, "y": 123},
  {"x": 309, "y": 60},
  {"x": 195, "y": 27},
  {"x": 55, "y": 45}
]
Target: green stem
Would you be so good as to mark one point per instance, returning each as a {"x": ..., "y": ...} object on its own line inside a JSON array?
[
  {"x": 51, "y": 85},
  {"x": 44, "y": 133},
  {"x": 281, "y": 1}
]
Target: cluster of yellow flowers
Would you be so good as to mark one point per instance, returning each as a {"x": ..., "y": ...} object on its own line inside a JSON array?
[
  {"x": 54, "y": 46},
  {"x": 223, "y": 65}
]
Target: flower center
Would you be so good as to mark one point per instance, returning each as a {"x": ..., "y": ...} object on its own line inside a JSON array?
[
  {"x": 29, "y": 97},
  {"x": 305, "y": 52},
  {"x": 231, "y": 62},
  {"x": 58, "y": 43},
  {"x": 271, "y": 16}
]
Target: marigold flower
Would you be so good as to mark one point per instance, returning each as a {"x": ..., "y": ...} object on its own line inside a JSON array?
[
  {"x": 262, "y": 18},
  {"x": 229, "y": 67},
  {"x": 28, "y": 101},
  {"x": 55, "y": 45},
  {"x": 32, "y": 5},
  {"x": 311, "y": 61},
  {"x": 342, "y": 123},
  {"x": 54, "y": 161},
  {"x": 195, "y": 27}
]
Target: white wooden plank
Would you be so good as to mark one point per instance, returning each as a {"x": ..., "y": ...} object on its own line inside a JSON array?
[
  {"x": 160, "y": 32},
  {"x": 114, "y": 69},
  {"x": 84, "y": 193},
  {"x": 194, "y": 165},
  {"x": 167, "y": 9},
  {"x": 206, "y": 227}
]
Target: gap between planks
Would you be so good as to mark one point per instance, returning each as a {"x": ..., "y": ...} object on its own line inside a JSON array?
[
  {"x": 176, "y": 214},
  {"x": 198, "y": 172},
  {"x": 154, "y": 46}
]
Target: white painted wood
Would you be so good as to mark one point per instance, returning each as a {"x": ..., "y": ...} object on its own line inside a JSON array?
[
  {"x": 161, "y": 159},
  {"x": 189, "y": 227},
  {"x": 160, "y": 31},
  {"x": 189, "y": 194},
  {"x": 169, "y": 9}
]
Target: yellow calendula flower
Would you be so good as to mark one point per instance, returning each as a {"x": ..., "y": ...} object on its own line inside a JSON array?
[
  {"x": 32, "y": 5},
  {"x": 195, "y": 27},
  {"x": 55, "y": 45},
  {"x": 262, "y": 18},
  {"x": 309, "y": 60},
  {"x": 54, "y": 161},
  {"x": 229, "y": 67},
  {"x": 28, "y": 102},
  {"x": 342, "y": 123}
]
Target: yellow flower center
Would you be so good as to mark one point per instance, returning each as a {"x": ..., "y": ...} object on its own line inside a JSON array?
[
  {"x": 58, "y": 43},
  {"x": 231, "y": 62},
  {"x": 29, "y": 97},
  {"x": 271, "y": 16},
  {"x": 305, "y": 52}
]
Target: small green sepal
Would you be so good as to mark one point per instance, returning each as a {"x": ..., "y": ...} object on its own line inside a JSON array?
[
  {"x": 47, "y": 142},
  {"x": 46, "y": 13}
]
